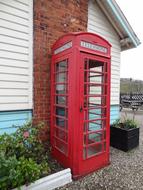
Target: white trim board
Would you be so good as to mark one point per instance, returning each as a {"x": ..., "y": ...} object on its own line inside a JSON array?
[{"x": 50, "y": 182}]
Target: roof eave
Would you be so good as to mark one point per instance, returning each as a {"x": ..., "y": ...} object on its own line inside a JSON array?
[{"x": 126, "y": 31}]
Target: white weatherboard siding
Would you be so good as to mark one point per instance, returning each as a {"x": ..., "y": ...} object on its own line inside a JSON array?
[
  {"x": 98, "y": 23},
  {"x": 16, "y": 59}
]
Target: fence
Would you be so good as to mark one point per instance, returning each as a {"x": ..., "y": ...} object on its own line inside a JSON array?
[{"x": 132, "y": 100}]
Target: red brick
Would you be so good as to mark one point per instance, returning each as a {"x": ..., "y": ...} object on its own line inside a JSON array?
[{"x": 52, "y": 19}]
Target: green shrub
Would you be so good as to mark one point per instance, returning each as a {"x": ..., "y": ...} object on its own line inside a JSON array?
[
  {"x": 125, "y": 124},
  {"x": 23, "y": 157},
  {"x": 15, "y": 172},
  {"x": 116, "y": 123},
  {"x": 129, "y": 123}
]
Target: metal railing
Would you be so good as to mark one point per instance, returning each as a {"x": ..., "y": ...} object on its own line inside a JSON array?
[{"x": 132, "y": 100}]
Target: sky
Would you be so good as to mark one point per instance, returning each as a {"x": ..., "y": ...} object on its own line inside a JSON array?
[{"x": 132, "y": 60}]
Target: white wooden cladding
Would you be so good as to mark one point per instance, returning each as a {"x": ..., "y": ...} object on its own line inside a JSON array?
[
  {"x": 98, "y": 23},
  {"x": 16, "y": 59}
]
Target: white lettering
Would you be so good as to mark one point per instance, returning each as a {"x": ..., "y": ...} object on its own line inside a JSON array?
[
  {"x": 62, "y": 48},
  {"x": 93, "y": 46}
]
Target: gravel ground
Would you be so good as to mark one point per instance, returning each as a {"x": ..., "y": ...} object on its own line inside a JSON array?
[{"x": 124, "y": 173}]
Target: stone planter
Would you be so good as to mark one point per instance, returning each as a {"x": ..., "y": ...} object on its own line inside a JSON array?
[
  {"x": 50, "y": 182},
  {"x": 124, "y": 139}
]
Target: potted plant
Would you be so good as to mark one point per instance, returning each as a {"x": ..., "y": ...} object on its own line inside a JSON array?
[{"x": 124, "y": 135}]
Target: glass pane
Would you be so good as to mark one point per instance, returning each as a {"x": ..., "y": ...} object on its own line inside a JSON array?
[
  {"x": 93, "y": 125},
  {"x": 60, "y": 89},
  {"x": 61, "y": 134},
  {"x": 95, "y": 77},
  {"x": 94, "y": 114},
  {"x": 93, "y": 138},
  {"x": 60, "y": 122},
  {"x": 92, "y": 150},
  {"x": 95, "y": 89},
  {"x": 61, "y": 111},
  {"x": 96, "y": 100},
  {"x": 62, "y": 100},
  {"x": 61, "y": 146},
  {"x": 61, "y": 77},
  {"x": 61, "y": 66}
]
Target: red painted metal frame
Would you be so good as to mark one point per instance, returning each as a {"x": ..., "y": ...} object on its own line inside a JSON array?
[
  {"x": 76, "y": 56},
  {"x": 99, "y": 160}
]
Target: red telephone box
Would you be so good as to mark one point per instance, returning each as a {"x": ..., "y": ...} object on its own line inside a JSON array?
[{"x": 80, "y": 102}]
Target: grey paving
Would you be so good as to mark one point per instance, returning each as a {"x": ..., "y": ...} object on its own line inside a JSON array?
[{"x": 124, "y": 173}]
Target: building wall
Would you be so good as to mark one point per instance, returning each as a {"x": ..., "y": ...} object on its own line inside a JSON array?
[
  {"x": 15, "y": 60},
  {"x": 99, "y": 24},
  {"x": 52, "y": 19},
  {"x": 16, "y": 53},
  {"x": 11, "y": 120}
]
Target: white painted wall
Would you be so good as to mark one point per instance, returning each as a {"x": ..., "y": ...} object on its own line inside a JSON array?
[
  {"x": 16, "y": 59},
  {"x": 99, "y": 24}
]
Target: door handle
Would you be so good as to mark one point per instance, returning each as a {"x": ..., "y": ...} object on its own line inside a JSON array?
[{"x": 81, "y": 109}]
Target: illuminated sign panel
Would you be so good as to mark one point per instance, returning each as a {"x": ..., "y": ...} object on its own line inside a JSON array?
[
  {"x": 62, "y": 48},
  {"x": 93, "y": 46}
]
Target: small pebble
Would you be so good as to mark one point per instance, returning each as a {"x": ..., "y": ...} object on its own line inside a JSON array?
[{"x": 124, "y": 173}]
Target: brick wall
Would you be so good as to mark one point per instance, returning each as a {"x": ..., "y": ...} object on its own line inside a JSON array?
[{"x": 52, "y": 19}]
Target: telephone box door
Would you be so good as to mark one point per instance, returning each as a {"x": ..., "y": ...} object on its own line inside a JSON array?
[{"x": 94, "y": 112}]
